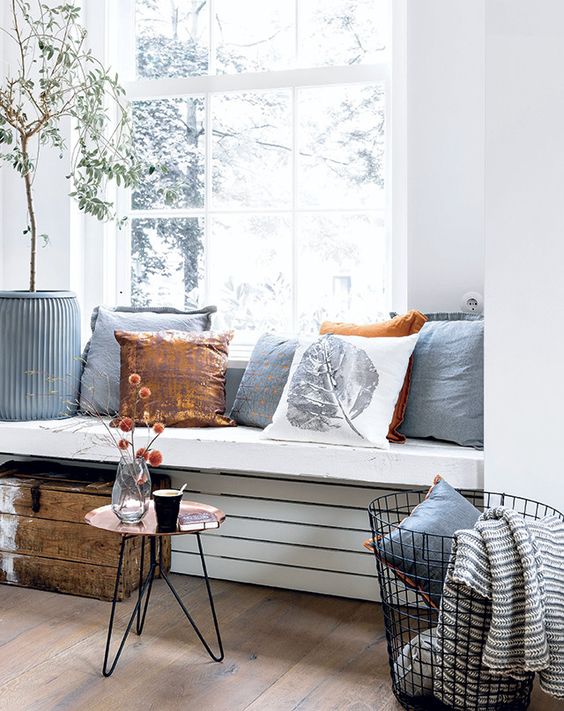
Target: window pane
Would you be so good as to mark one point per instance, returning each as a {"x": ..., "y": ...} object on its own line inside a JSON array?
[
  {"x": 334, "y": 32},
  {"x": 169, "y": 133},
  {"x": 167, "y": 261},
  {"x": 254, "y": 35},
  {"x": 341, "y": 146},
  {"x": 252, "y": 149},
  {"x": 171, "y": 38},
  {"x": 341, "y": 269},
  {"x": 251, "y": 275}
]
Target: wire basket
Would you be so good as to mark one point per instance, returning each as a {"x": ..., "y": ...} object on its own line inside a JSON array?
[{"x": 411, "y": 616}]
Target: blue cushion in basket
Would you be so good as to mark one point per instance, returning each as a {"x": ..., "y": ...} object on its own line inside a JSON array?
[{"x": 419, "y": 549}]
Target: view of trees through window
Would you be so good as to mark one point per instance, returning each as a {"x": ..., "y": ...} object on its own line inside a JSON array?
[{"x": 279, "y": 203}]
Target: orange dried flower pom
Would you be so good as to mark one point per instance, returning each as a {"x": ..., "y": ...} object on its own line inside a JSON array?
[
  {"x": 142, "y": 453},
  {"x": 126, "y": 424},
  {"x": 158, "y": 428},
  {"x": 155, "y": 458},
  {"x": 123, "y": 444},
  {"x": 134, "y": 379},
  {"x": 144, "y": 393}
]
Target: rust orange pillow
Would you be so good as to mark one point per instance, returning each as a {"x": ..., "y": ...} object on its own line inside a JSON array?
[
  {"x": 185, "y": 372},
  {"x": 405, "y": 325}
]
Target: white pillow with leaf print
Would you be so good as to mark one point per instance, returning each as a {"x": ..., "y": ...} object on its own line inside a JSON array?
[{"x": 342, "y": 390}]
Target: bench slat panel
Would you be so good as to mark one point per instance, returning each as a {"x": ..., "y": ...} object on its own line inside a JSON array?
[
  {"x": 358, "y": 562},
  {"x": 299, "y": 534},
  {"x": 257, "y": 486},
  {"x": 280, "y": 576},
  {"x": 269, "y": 510}
]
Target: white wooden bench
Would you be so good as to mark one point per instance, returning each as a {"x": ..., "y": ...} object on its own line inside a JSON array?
[{"x": 296, "y": 511}]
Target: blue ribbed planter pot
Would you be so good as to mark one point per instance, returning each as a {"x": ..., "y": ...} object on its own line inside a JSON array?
[{"x": 39, "y": 355}]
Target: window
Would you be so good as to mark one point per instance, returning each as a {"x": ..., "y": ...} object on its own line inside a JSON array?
[{"x": 270, "y": 117}]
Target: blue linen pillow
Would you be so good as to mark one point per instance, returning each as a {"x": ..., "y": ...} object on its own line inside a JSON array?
[
  {"x": 263, "y": 381},
  {"x": 419, "y": 549},
  {"x": 447, "y": 316},
  {"x": 446, "y": 396},
  {"x": 99, "y": 385}
]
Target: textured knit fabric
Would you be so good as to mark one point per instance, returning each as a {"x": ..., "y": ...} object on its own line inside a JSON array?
[
  {"x": 511, "y": 571},
  {"x": 460, "y": 680}
]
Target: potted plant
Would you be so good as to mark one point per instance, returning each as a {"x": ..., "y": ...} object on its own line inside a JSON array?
[{"x": 56, "y": 78}]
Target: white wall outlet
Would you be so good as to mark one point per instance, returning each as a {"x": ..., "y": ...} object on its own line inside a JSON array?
[{"x": 472, "y": 303}]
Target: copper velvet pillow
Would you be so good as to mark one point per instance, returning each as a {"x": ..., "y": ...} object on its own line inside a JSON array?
[
  {"x": 406, "y": 325},
  {"x": 185, "y": 372}
]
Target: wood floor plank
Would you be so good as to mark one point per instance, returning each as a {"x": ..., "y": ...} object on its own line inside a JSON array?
[
  {"x": 285, "y": 651},
  {"x": 359, "y": 634},
  {"x": 543, "y": 702},
  {"x": 60, "y": 679}
]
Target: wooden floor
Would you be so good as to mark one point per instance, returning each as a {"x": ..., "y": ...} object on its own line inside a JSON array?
[{"x": 284, "y": 651}]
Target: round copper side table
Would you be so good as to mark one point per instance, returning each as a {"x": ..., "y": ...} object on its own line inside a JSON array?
[{"x": 105, "y": 519}]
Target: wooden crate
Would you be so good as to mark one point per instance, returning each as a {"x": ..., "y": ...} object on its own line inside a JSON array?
[{"x": 44, "y": 540}]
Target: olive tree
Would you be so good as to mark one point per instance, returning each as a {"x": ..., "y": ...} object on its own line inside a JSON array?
[{"x": 56, "y": 78}]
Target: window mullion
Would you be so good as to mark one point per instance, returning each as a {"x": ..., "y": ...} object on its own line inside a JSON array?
[
  {"x": 212, "y": 55},
  {"x": 295, "y": 265},
  {"x": 208, "y": 247},
  {"x": 257, "y": 81},
  {"x": 211, "y": 38},
  {"x": 296, "y": 33},
  {"x": 294, "y": 218}
]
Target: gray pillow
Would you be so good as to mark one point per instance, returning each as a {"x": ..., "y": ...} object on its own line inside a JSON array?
[
  {"x": 99, "y": 385},
  {"x": 453, "y": 316},
  {"x": 419, "y": 549},
  {"x": 447, "y": 316},
  {"x": 413, "y": 667},
  {"x": 446, "y": 396},
  {"x": 263, "y": 381}
]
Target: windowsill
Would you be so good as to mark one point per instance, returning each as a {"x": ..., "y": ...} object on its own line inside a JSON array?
[
  {"x": 239, "y": 361},
  {"x": 242, "y": 449},
  {"x": 240, "y": 354}
]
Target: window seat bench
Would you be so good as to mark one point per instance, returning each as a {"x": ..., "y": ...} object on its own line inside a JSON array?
[{"x": 296, "y": 512}]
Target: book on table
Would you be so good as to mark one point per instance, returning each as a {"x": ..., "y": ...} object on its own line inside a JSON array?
[{"x": 197, "y": 521}]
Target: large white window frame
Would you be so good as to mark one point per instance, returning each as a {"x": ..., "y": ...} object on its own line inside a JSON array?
[{"x": 108, "y": 263}]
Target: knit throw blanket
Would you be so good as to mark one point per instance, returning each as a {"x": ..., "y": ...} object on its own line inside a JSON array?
[{"x": 503, "y": 605}]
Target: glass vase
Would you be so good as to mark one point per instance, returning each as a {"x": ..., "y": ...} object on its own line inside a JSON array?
[{"x": 131, "y": 492}]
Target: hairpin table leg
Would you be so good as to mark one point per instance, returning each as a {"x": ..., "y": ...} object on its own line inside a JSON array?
[
  {"x": 216, "y": 657},
  {"x": 153, "y": 564},
  {"x": 145, "y": 587},
  {"x": 140, "y": 610}
]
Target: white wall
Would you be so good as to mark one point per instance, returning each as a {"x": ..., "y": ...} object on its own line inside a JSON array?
[
  {"x": 524, "y": 229},
  {"x": 445, "y": 124},
  {"x": 54, "y": 261}
]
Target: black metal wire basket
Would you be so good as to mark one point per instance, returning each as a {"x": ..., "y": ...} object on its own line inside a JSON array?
[{"x": 411, "y": 616}]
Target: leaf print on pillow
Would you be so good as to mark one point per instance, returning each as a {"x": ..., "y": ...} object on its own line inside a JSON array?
[{"x": 333, "y": 384}]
